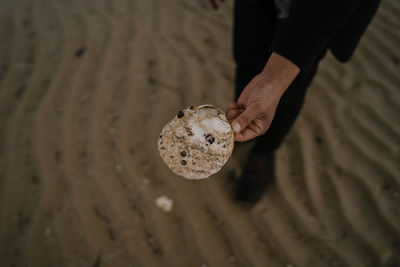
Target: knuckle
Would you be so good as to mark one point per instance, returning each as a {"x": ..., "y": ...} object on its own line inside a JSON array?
[
  {"x": 260, "y": 130},
  {"x": 231, "y": 114},
  {"x": 244, "y": 119},
  {"x": 263, "y": 131}
]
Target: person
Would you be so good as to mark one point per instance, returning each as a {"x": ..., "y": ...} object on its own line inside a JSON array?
[{"x": 277, "y": 47}]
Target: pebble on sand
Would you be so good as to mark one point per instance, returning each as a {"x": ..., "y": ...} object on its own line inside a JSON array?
[{"x": 165, "y": 203}]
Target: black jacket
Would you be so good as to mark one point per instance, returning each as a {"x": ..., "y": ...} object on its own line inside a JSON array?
[{"x": 316, "y": 25}]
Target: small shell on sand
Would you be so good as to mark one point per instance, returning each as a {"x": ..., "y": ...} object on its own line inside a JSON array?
[
  {"x": 197, "y": 142},
  {"x": 165, "y": 203}
]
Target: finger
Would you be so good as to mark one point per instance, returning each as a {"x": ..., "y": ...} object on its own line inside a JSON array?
[
  {"x": 233, "y": 105},
  {"x": 240, "y": 123},
  {"x": 259, "y": 126},
  {"x": 255, "y": 128},
  {"x": 233, "y": 114},
  {"x": 246, "y": 135}
]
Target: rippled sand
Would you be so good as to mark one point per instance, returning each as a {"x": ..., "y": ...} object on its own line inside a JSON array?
[{"x": 85, "y": 88}]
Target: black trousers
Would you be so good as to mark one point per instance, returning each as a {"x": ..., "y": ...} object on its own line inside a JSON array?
[{"x": 255, "y": 25}]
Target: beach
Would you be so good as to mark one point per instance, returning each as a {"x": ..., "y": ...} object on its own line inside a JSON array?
[{"x": 87, "y": 86}]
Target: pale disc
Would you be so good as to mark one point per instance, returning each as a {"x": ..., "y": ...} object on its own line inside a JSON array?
[{"x": 197, "y": 142}]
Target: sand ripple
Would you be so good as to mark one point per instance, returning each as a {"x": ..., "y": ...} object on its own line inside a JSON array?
[{"x": 85, "y": 88}]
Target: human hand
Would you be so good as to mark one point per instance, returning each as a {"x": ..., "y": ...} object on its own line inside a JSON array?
[
  {"x": 252, "y": 115},
  {"x": 214, "y": 4},
  {"x": 253, "y": 112}
]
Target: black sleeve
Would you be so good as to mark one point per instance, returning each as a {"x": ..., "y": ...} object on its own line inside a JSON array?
[{"x": 310, "y": 27}]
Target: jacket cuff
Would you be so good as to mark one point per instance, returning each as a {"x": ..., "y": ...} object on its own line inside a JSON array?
[{"x": 296, "y": 47}]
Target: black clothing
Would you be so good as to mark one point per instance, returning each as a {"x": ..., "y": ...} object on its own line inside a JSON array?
[
  {"x": 315, "y": 25},
  {"x": 312, "y": 27},
  {"x": 253, "y": 32}
]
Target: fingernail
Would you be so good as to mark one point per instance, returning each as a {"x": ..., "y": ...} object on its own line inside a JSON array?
[{"x": 236, "y": 127}]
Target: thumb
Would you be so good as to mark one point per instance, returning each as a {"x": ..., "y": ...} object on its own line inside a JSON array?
[{"x": 241, "y": 122}]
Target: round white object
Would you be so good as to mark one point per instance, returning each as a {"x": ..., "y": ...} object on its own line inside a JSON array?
[
  {"x": 197, "y": 142},
  {"x": 165, "y": 203}
]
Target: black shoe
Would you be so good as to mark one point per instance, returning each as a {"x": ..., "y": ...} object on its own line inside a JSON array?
[{"x": 256, "y": 176}]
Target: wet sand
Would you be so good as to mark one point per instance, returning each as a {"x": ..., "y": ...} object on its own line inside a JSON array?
[{"x": 85, "y": 88}]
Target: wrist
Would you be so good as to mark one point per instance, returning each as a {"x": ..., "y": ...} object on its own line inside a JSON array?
[{"x": 278, "y": 74}]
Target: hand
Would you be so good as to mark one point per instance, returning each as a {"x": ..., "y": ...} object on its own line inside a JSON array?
[
  {"x": 214, "y": 4},
  {"x": 252, "y": 115}
]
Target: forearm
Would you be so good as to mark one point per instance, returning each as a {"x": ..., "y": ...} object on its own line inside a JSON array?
[{"x": 278, "y": 74}]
